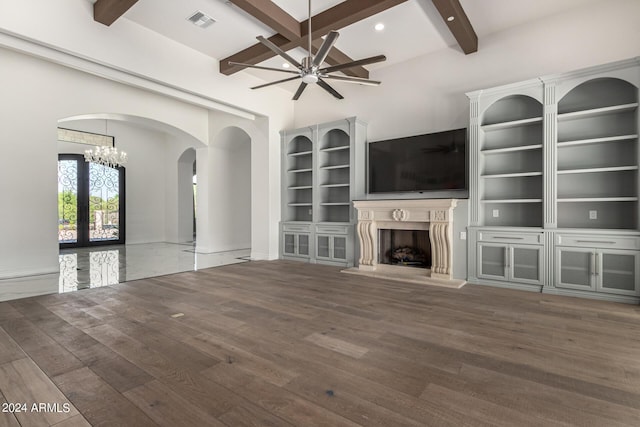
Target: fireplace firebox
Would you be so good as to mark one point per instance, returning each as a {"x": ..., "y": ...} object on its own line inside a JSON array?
[{"x": 410, "y": 248}]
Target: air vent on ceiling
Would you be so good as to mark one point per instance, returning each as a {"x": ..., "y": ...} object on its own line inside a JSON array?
[{"x": 200, "y": 19}]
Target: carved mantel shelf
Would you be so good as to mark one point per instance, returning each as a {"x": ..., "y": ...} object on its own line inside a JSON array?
[{"x": 436, "y": 215}]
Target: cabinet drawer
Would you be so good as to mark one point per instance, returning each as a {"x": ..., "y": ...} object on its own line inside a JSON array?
[
  {"x": 598, "y": 241},
  {"x": 306, "y": 228},
  {"x": 332, "y": 229},
  {"x": 505, "y": 237}
]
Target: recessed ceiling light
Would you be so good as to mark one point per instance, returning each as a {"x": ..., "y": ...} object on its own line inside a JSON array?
[
  {"x": 200, "y": 19},
  {"x": 379, "y": 26},
  {"x": 285, "y": 65},
  {"x": 451, "y": 18}
]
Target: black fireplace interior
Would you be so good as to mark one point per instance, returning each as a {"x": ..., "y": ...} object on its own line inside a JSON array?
[{"x": 409, "y": 248}]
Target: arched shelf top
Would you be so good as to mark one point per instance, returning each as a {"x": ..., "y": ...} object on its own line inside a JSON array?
[
  {"x": 601, "y": 92},
  {"x": 334, "y": 139},
  {"x": 300, "y": 144},
  {"x": 513, "y": 108}
]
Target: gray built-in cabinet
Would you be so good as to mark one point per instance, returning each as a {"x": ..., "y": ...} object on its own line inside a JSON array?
[
  {"x": 322, "y": 173},
  {"x": 554, "y": 184}
]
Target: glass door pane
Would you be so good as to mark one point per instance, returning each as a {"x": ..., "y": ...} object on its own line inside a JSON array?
[
  {"x": 526, "y": 264},
  {"x": 493, "y": 261},
  {"x": 619, "y": 273},
  {"x": 67, "y": 201},
  {"x": 340, "y": 247},
  {"x": 323, "y": 246},
  {"x": 104, "y": 203},
  {"x": 290, "y": 244},
  {"x": 576, "y": 268},
  {"x": 303, "y": 244},
  {"x": 90, "y": 203}
]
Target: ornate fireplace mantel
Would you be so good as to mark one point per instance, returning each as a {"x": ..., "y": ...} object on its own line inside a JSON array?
[{"x": 436, "y": 215}]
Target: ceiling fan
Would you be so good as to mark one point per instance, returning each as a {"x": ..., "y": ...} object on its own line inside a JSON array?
[{"x": 310, "y": 70}]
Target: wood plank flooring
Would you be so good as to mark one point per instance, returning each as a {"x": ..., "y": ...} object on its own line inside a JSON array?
[{"x": 290, "y": 344}]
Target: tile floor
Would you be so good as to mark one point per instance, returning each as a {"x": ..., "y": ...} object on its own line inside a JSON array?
[{"x": 83, "y": 268}]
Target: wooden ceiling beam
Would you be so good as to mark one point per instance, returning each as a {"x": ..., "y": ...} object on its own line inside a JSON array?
[
  {"x": 108, "y": 11},
  {"x": 346, "y": 13},
  {"x": 272, "y": 16},
  {"x": 460, "y": 26}
]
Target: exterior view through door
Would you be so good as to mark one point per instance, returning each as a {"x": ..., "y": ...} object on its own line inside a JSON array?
[{"x": 90, "y": 203}]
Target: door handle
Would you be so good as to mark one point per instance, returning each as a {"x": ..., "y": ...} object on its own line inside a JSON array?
[
  {"x": 597, "y": 265},
  {"x": 593, "y": 263}
]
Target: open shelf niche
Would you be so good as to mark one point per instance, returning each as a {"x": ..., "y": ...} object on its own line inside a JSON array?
[
  {"x": 299, "y": 177},
  {"x": 511, "y": 180},
  {"x": 597, "y": 166},
  {"x": 334, "y": 176}
]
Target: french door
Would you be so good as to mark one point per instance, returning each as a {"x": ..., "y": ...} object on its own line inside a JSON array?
[{"x": 91, "y": 199}]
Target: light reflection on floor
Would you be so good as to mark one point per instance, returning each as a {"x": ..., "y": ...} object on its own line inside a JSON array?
[{"x": 83, "y": 268}]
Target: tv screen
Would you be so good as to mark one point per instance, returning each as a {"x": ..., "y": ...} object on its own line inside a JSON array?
[{"x": 430, "y": 162}]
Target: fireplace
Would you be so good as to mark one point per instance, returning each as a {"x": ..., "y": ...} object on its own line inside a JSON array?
[
  {"x": 396, "y": 234},
  {"x": 407, "y": 248}
]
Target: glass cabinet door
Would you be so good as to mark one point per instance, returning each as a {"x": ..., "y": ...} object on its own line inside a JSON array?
[
  {"x": 525, "y": 263},
  {"x": 575, "y": 269},
  {"x": 617, "y": 272},
  {"x": 340, "y": 247},
  {"x": 303, "y": 244},
  {"x": 290, "y": 244},
  {"x": 492, "y": 261},
  {"x": 323, "y": 247}
]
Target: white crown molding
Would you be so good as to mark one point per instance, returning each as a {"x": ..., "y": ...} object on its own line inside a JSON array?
[{"x": 72, "y": 60}]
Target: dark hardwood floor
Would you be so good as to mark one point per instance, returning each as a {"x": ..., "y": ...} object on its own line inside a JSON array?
[{"x": 291, "y": 344}]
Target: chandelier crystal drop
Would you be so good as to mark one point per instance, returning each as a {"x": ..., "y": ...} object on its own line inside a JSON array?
[{"x": 107, "y": 156}]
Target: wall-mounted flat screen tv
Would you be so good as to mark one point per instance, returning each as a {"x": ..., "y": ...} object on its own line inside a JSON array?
[{"x": 430, "y": 162}]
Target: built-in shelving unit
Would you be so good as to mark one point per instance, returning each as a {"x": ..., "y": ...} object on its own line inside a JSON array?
[
  {"x": 334, "y": 177},
  {"x": 298, "y": 164},
  {"x": 320, "y": 183},
  {"x": 555, "y": 184},
  {"x": 597, "y": 158},
  {"x": 511, "y": 162}
]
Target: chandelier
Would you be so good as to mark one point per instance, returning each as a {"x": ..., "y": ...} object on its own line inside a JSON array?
[{"x": 107, "y": 156}]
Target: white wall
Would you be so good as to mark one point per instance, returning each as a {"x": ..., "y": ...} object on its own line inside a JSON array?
[{"x": 228, "y": 185}]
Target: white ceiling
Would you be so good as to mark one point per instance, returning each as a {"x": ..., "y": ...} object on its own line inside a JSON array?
[{"x": 412, "y": 29}]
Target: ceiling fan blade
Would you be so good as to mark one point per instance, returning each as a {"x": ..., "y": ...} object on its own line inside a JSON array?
[
  {"x": 365, "y": 61},
  {"x": 326, "y": 46},
  {"x": 353, "y": 80},
  {"x": 259, "y": 67},
  {"x": 324, "y": 85},
  {"x": 301, "y": 89},
  {"x": 276, "y": 82},
  {"x": 279, "y": 51}
]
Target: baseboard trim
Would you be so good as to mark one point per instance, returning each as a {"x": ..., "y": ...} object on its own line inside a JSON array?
[
  {"x": 626, "y": 299},
  {"x": 509, "y": 285},
  {"x": 29, "y": 286}
]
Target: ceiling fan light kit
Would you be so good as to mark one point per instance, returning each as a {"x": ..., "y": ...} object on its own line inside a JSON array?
[{"x": 309, "y": 70}]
